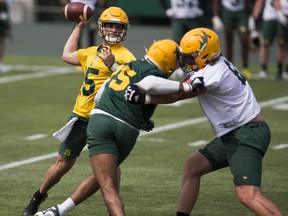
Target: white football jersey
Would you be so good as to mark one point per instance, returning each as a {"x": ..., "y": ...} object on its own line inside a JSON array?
[
  {"x": 229, "y": 102},
  {"x": 284, "y": 6},
  {"x": 234, "y": 5},
  {"x": 185, "y": 9},
  {"x": 269, "y": 12}
]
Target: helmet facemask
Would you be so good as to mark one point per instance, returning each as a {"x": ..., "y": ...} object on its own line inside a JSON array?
[
  {"x": 187, "y": 62},
  {"x": 199, "y": 47},
  {"x": 116, "y": 37},
  {"x": 117, "y": 17}
]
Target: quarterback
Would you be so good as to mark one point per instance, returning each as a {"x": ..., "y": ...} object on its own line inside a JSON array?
[{"x": 113, "y": 25}]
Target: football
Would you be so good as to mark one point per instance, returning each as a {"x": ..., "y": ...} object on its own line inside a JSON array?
[{"x": 73, "y": 10}]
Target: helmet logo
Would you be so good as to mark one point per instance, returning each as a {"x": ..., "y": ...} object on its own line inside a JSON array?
[{"x": 203, "y": 43}]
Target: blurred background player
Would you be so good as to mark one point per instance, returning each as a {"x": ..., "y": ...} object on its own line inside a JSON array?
[
  {"x": 5, "y": 31},
  {"x": 282, "y": 12},
  {"x": 184, "y": 16},
  {"x": 230, "y": 16},
  {"x": 271, "y": 17},
  {"x": 113, "y": 26}
]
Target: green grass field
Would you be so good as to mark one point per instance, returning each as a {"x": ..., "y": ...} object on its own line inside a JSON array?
[{"x": 151, "y": 176}]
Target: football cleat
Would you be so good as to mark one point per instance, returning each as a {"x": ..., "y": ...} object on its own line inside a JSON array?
[
  {"x": 53, "y": 211},
  {"x": 33, "y": 205}
]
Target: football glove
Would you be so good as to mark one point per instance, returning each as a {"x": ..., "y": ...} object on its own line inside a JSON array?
[
  {"x": 254, "y": 40},
  {"x": 217, "y": 23},
  {"x": 282, "y": 18},
  {"x": 133, "y": 95},
  {"x": 148, "y": 126},
  {"x": 197, "y": 84},
  {"x": 251, "y": 24}
]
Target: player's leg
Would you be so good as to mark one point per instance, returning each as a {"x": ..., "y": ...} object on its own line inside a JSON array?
[
  {"x": 51, "y": 178},
  {"x": 285, "y": 74},
  {"x": 196, "y": 166},
  {"x": 104, "y": 167},
  {"x": 242, "y": 28},
  {"x": 229, "y": 42},
  {"x": 268, "y": 30},
  {"x": 108, "y": 148},
  {"x": 206, "y": 160},
  {"x": 245, "y": 163},
  {"x": 228, "y": 22},
  {"x": 85, "y": 189},
  {"x": 252, "y": 197},
  {"x": 281, "y": 50},
  {"x": 69, "y": 150}
]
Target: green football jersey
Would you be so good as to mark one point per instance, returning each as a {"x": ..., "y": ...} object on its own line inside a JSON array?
[{"x": 112, "y": 100}]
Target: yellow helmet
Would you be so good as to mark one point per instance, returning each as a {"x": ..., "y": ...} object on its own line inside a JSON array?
[
  {"x": 113, "y": 15},
  {"x": 164, "y": 54},
  {"x": 198, "y": 47}
]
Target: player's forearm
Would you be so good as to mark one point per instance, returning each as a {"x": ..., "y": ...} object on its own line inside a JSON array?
[
  {"x": 160, "y": 86},
  {"x": 69, "y": 54}
]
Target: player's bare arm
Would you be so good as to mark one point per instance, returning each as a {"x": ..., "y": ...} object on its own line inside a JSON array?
[
  {"x": 71, "y": 47},
  {"x": 162, "y": 91}
]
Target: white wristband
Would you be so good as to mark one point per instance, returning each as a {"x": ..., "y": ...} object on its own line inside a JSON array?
[
  {"x": 187, "y": 87},
  {"x": 113, "y": 67},
  {"x": 147, "y": 99}
]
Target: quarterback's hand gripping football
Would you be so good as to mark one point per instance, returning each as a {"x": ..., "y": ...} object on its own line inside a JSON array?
[
  {"x": 197, "y": 84},
  {"x": 134, "y": 96}
]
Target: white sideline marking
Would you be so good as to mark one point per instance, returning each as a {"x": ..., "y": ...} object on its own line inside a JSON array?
[
  {"x": 198, "y": 143},
  {"x": 283, "y": 106},
  {"x": 155, "y": 130},
  {"x": 36, "y": 137},
  {"x": 280, "y": 146},
  {"x": 44, "y": 71},
  {"x": 151, "y": 139},
  {"x": 28, "y": 161}
]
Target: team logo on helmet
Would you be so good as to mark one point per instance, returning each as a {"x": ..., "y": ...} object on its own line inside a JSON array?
[{"x": 205, "y": 40}]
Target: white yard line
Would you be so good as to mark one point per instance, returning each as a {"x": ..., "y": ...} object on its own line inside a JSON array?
[{"x": 44, "y": 71}]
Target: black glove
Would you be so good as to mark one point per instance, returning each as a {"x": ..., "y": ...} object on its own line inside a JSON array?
[
  {"x": 197, "y": 84},
  {"x": 148, "y": 126},
  {"x": 133, "y": 95}
]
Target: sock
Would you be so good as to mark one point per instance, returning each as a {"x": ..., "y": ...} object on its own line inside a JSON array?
[
  {"x": 279, "y": 69},
  {"x": 245, "y": 65},
  {"x": 182, "y": 214},
  {"x": 264, "y": 67},
  {"x": 38, "y": 195},
  {"x": 66, "y": 206}
]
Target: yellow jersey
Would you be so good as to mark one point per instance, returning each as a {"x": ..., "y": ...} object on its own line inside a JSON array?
[{"x": 95, "y": 74}]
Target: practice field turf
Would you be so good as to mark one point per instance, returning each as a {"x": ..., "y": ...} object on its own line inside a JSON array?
[{"x": 36, "y": 100}]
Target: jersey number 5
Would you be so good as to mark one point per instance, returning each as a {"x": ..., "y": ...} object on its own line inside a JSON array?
[{"x": 122, "y": 78}]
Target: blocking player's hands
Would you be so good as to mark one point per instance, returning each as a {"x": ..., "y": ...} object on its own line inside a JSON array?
[
  {"x": 197, "y": 84},
  {"x": 134, "y": 96},
  {"x": 148, "y": 126},
  {"x": 107, "y": 56}
]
